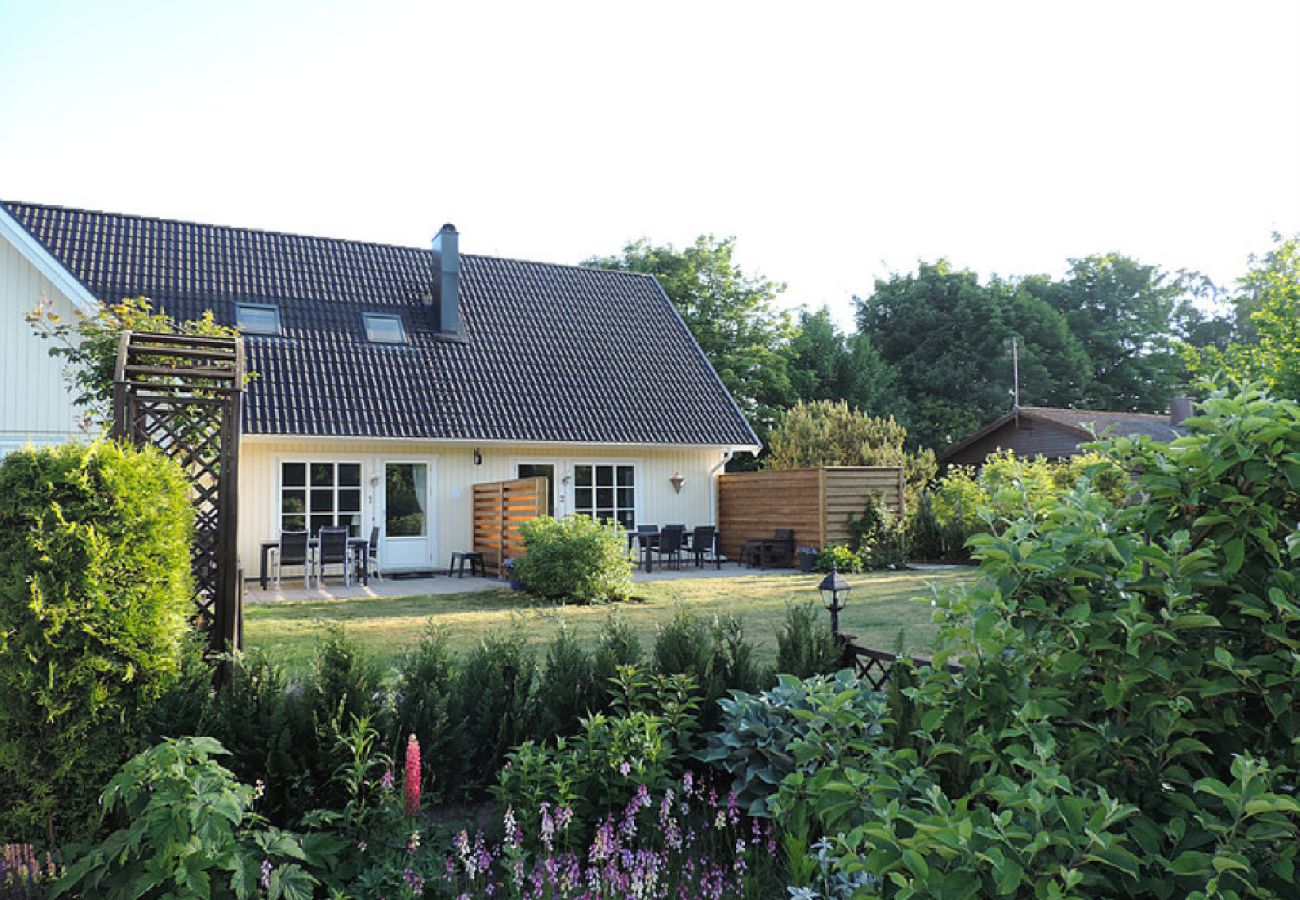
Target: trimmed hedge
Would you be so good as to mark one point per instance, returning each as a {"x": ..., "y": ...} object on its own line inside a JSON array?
[{"x": 95, "y": 587}]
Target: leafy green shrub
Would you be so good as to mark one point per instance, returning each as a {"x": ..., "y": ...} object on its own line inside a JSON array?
[
  {"x": 923, "y": 530},
  {"x": 617, "y": 645},
  {"x": 1124, "y": 722},
  {"x": 715, "y": 655},
  {"x": 494, "y": 699},
  {"x": 841, "y": 558},
  {"x": 346, "y": 684},
  {"x": 804, "y": 643},
  {"x": 567, "y": 690},
  {"x": 879, "y": 537},
  {"x": 95, "y": 588},
  {"x": 266, "y": 722},
  {"x": 576, "y": 558},
  {"x": 760, "y": 731},
  {"x": 187, "y": 830},
  {"x": 423, "y": 706},
  {"x": 595, "y": 773},
  {"x": 1008, "y": 488}
]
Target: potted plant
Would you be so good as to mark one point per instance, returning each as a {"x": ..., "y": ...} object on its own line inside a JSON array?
[
  {"x": 807, "y": 557},
  {"x": 508, "y": 571}
]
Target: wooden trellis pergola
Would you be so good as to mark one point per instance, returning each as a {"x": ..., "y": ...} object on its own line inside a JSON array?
[{"x": 182, "y": 393}]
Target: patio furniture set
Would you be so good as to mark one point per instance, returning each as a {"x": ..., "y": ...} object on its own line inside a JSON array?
[
  {"x": 356, "y": 556},
  {"x": 671, "y": 543}
]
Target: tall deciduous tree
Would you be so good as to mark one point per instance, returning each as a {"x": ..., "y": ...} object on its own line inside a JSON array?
[
  {"x": 732, "y": 315},
  {"x": 1125, "y": 315},
  {"x": 828, "y": 364},
  {"x": 1268, "y": 306},
  {"x": 948, "y": 336}
]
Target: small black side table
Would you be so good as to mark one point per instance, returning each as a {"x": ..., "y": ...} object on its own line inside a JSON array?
[{"x": 476, "y": 564}]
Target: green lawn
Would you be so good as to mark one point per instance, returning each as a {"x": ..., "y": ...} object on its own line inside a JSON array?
[{"x": 882, "y": 607}]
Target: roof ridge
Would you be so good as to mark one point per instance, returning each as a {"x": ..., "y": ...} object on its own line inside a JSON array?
[
  {"x": 1103, "y": 412},
  {"x": 315, "y": 237}
]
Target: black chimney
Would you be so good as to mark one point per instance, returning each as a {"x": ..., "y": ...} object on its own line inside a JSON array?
[
  {"x": 1179, "y": 408},
  {"x": 446, "y": 293}
]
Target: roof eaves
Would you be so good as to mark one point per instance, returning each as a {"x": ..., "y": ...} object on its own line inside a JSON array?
[{"x": 39, "y": 256}]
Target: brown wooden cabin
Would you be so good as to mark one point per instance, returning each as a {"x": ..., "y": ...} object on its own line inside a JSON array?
[{"x": 1059, "y": 433}]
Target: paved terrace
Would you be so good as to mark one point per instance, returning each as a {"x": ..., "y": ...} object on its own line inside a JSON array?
[{"x": 292, "y": 588}]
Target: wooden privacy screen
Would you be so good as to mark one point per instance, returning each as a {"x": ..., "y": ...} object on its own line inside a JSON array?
[
  {"x": 816, "y": 503},
  {"x": 500, "y": 508}
]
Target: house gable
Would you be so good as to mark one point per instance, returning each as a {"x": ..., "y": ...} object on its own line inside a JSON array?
[{"x": 35, "y": 404}]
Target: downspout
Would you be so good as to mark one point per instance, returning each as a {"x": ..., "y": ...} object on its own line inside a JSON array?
[{"x": 713, "y": 483}]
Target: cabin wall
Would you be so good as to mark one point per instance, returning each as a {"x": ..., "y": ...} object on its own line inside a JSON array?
[{"x": 1027, "y": 438}]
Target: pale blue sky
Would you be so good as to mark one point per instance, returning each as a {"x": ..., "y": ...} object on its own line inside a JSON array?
[{"x": 838, "y": 142}]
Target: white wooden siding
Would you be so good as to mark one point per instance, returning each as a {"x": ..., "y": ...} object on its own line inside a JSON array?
[
  {"x": 452, "y": 467},
  {"x": 35, "y": 404}
]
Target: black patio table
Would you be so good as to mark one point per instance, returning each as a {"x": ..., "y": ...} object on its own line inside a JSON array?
[
  {"x": 358, "y": 546},
  {"x": 648, "y": 541}
]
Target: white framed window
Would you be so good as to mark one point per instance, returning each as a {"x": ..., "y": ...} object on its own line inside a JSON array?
[
  {"x": 384, "y": 328},
  {"x": 257, "y": 318},
  {"x": 320, "y": 494},
  {"x": 606, "y": 491}
]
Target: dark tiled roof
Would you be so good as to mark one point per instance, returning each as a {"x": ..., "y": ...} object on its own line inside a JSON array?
[
  {"x": 551, "y": 353},
  {"x": 1108, "y": 424}
]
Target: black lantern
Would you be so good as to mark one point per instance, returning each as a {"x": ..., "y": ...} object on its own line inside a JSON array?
[{"x": 835, "y": 591}]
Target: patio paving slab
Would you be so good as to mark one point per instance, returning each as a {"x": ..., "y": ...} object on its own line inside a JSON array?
[{"x": 293, "y": 590}]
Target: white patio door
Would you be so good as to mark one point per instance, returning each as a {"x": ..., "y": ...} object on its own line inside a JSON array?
[{"x": 406, "y": 517}]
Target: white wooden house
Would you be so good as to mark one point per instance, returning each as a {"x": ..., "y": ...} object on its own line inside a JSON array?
[{"x": 389, "y": 380}]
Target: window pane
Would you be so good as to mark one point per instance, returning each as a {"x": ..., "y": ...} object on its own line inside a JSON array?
[
  {"x": 582, "y": 499},
  {"x": 625, "y": 498},
  {"x": 604, "y": 476},
  {"x": 293, "y": 502},
  {"x": 582, "y": 476},
  {"x": 349, "y": 474},
  {"x": 605, "y": 498},
  {"x": 625, "y": 519},
  {"x": 322, "y": 474},
  {"x": 319, "y": 522},
  {"x": 254, "y": 319},
  {"x": 294, "y": 523},
  {"x": 404, "y": 496},
  {"x": 322, "y": 500},
  {"x": 293, "y": 474},
  {"x": 625, "y": 476},
  {"x": 353, "y": 523},
  {"x": 350, "y": 500},
  {"x": 384, "y": 329}
]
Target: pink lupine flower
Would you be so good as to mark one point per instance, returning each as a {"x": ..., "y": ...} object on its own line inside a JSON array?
[{"x": 412, "y": 777}]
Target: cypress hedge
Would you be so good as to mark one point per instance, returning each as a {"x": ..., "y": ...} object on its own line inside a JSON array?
[{"x": 95, "y": 589}]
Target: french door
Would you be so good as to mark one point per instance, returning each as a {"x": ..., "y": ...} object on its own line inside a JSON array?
[{"x": 407, "y": 541}]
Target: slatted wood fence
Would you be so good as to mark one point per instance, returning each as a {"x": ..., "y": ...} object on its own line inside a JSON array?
[
  {"x": 500, "y": 509},
  {"x": 816, "y": 503}
]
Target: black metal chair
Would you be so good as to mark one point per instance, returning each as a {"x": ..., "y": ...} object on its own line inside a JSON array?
[
  {"x": 670, "y": 544},
  {"x": 333, "y": 551},
  {"x": 702, "y": 546},
  {"x": 780, "y": 549},
  {"x": 292, "y": 551}
]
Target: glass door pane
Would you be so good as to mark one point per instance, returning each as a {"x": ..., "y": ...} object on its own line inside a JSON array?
[{"x": 404, "y": 495}]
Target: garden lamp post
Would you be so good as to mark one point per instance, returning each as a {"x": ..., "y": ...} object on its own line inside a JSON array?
[{"x": 835, "y": 591}]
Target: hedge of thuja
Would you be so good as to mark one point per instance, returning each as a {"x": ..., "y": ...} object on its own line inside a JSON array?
[{"x": 95, "y": 586}]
